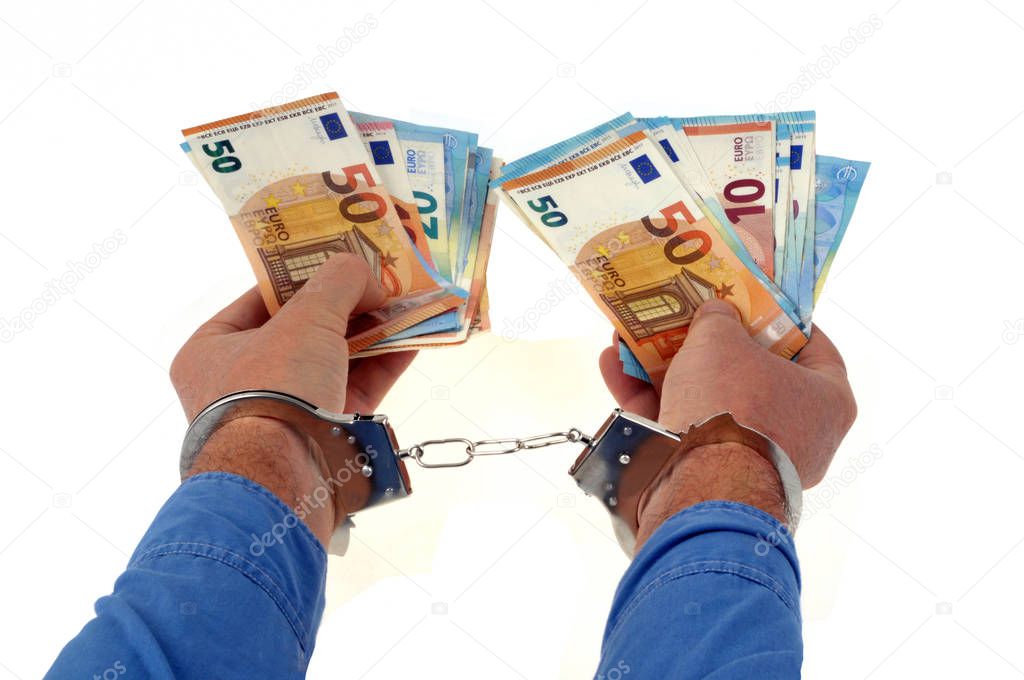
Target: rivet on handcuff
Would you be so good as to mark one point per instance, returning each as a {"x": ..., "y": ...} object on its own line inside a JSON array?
[{"x": 617, "y": 464}]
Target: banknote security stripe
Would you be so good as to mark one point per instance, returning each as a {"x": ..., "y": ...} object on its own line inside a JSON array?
[
  {"x": 263, "y": 113},
  {"x": 696, "y": 130},
  {"x": 576, "y": 163},
  {"x": 374, "y": 125},
  {"x": 789, "y": 117}
]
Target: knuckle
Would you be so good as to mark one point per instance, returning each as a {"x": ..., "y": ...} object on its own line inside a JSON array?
[
  {"x": 177, "y": 369},
  {"x": 813, "y": 478},
  {"x": 851, "y": 409}
]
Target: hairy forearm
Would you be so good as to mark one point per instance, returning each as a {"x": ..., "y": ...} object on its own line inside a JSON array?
[
  {"x": 727, "y": 472},
  {"x": 276, "y": 457}
]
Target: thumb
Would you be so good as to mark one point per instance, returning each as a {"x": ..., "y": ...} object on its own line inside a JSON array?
[
  {"x": 715, "y": 321},
  {"x": 343, "y": 285}
]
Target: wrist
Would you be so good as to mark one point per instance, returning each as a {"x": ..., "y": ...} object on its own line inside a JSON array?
[
  {"x": 725, "y": 471},
  {"x": 276, "y": 456}
]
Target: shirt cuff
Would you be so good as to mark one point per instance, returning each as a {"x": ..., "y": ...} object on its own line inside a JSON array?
[
  {"x": 233, "y": 520},
  {"x": 714, "y": 536}
]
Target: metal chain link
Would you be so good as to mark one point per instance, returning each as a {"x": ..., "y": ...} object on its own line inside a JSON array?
[{"x": 491, "y": 447}]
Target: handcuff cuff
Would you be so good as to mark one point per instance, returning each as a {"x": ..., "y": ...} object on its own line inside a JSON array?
[{"x": 617, "y": 464}]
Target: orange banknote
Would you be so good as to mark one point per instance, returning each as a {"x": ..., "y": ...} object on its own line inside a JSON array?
[
  {"x": 640, "y": 244},
  {"x": 298, "y": 185}
]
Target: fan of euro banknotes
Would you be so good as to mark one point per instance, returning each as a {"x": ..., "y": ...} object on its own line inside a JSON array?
[
  {"x": 652, "y": 215},
  {"x": 303, "y": 181},
  {"x": 656, "y": 215}
]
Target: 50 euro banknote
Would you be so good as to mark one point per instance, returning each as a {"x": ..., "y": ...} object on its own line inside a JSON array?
[
  {"x": 623, "y": 222},
  {"x": 298, "y": 186}
]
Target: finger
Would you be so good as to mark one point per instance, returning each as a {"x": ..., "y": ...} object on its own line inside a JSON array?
[
  {"x": 630, "y": 393},
  {"x": 820, "y": 354},
  {"x": 370, "y": 379},
  {"x": 343, "y": 285},
  {"x": 715, "y": 321},
  {"x": 245, "y": 313}
]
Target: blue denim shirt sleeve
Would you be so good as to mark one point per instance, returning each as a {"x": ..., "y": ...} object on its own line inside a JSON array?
[
  {"x": 714, "y": 593},
  {"x": 227, "y": 583}
]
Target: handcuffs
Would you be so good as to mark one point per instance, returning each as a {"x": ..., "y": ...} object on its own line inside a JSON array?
[{"x": 618, "y": 462}]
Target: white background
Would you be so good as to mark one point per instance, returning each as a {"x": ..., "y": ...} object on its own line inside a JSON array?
[{"x": 911, "y": 557}]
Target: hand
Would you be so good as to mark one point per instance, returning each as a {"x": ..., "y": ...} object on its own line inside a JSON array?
[
  {"x": 302, "y": 351},
  {"x": 805, "y": 406}
]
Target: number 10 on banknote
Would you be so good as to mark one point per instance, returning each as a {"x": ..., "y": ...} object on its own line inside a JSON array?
[{"x": 643, "y": 248}]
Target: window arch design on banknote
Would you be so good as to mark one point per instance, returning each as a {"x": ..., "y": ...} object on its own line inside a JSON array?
[
  {"x": 289, "y": 265},
  {"x": 303, "y": 182}
]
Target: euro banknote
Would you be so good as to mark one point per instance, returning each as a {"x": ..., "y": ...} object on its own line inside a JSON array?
[
  {"x": 653, "y": 215},
  {"x": 478, "y": 179},
  {"x": 471, "y": 316},
  {"x": 798, "y": 272},
  {"x": 680, "y": 152},
  {"x": 838, "y": 183},
  {"x": 456, "y": 326},
  {"x": 424, "y": 163},
  {"x": 641, "y": 245},
  {"x": 837, "y": 188},
  {"x": 466, "y": 247},
  {"x": 437, "y": 167},
  {"x": 739, "y": 157},
  {"x": 630, "y": 364},
  {"x": 298, "y": 185},
  {"x": 783, "y": 204},
  {"x": 385, "y": 150}
]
